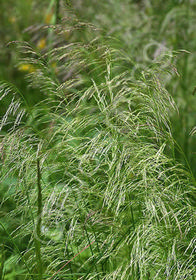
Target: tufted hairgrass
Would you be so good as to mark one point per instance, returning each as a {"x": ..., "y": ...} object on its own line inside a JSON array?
[{"x": 93, "y": 166}]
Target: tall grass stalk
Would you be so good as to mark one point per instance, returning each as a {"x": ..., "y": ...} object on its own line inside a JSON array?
[{"x": 38, "y": 237}]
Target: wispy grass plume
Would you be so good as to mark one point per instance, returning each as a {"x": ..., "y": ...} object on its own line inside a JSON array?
[{"x": 108, "y": 172}]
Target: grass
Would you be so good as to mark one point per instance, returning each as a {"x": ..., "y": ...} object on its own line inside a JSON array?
[{"x": 97, "y": 189}]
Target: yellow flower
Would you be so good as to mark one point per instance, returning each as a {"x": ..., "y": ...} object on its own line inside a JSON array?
[
  {"x": 54, "y": 67},
  {"x": 41, "y": 44},
  {"x": 26, "y": 68},
  {"x": 12, "y": 19},
  {"x": 48, "y": 18}
]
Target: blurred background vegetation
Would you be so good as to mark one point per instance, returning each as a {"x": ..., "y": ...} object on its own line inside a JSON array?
[{"x": 141, "y": 30}]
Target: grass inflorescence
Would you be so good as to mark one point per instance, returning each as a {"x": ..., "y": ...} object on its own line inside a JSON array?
[{"x": 90, "y": 171}]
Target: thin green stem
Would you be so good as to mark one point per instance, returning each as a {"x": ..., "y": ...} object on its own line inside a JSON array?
[
  {"x": 39, "y": 221},
  {"x": 58, "y": 19},
  {"x": 85, "y": 229}
]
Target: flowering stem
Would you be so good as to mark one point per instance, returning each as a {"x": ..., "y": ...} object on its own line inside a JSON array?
[{"x": 71, "y": 259}]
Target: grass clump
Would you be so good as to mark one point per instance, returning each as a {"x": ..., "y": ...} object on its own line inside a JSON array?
[{"x": 92, "y": 171}]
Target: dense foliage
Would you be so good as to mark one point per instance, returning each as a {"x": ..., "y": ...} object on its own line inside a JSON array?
[{"x": 98, "y": 140}]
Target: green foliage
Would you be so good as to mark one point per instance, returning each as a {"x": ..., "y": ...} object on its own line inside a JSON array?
[{"x": 91, "y": 170}]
